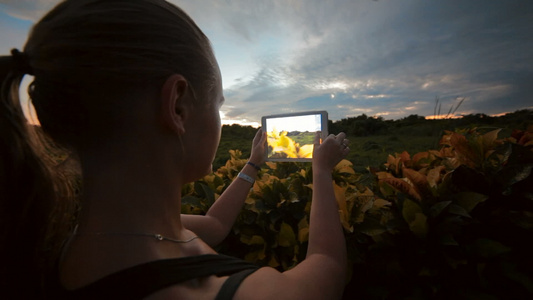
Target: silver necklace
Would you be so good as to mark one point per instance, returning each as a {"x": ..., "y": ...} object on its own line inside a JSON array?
[{"x": 157, "y": 236}]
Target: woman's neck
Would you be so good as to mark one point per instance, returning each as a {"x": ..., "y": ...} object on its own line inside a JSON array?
[{"x": 131, "y": 191}]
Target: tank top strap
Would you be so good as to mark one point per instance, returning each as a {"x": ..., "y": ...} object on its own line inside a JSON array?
[{"x": 142, "y": 280}]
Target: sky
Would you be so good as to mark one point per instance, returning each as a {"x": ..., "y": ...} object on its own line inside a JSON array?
[
  {"x": 388, "y": 58},
  {"x": 302, "y": 123}
]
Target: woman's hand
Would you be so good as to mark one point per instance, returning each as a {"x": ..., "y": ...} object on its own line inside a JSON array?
[
  {"x": 257, "y": 156},
  {"x": 332, "y": 150}
]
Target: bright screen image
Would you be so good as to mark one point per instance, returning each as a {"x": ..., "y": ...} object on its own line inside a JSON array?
[{"x": 293, "y": 136}]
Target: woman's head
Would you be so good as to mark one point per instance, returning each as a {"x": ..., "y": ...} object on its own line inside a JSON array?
[
  {"x": 86, "y": 48},
  {"x": 93, "y": 62}
]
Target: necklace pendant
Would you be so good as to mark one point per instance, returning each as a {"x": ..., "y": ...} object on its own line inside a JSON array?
[{"x": 159, "y": 237}]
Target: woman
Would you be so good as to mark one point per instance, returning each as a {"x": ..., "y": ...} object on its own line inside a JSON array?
[{"x": 133, "y": 90}]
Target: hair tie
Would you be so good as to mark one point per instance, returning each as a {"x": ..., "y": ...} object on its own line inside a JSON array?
[{"x": 21, "y": 62}]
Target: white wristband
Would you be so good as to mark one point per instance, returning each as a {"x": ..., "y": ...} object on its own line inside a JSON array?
[{"x": 246, "y": 177}]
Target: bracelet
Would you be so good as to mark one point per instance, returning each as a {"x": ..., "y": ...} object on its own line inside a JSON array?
[
  {"x": 254, "y": 165},
  {"x": 246, "y": 177}
]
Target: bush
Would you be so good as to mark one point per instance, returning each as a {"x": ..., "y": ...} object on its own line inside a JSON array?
[{"x": 447, "y": 223}]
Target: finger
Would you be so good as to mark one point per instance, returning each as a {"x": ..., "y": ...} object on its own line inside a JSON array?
[
  {"x": 258, "y": 138},
  {"x": 345, "y": 151},
  {"x": 316, "y": 142},
  {"x": 340, "y": 137},
  {"x": 258, "y": 134}
]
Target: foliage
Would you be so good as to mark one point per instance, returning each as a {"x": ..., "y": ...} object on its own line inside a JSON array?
[
  {"x": 282, "y": 145},
  {"x": 466, "y": 213},
  {"x": 234, "y": 137},
  {"x": 447, "y": 223}
]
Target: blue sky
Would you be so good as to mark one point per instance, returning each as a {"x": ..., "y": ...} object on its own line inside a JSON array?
[{"x": 387, "y": 58}]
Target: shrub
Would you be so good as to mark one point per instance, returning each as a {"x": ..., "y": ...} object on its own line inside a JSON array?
[{"x": 447, "y": 223}]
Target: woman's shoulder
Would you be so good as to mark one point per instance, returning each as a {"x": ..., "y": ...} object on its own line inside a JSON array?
[{"x": 160, "y": 277}]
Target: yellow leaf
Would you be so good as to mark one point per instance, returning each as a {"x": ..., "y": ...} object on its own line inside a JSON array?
[
  {"x": 402, "y": 186},
  {"x": 489, "y": 139},
  {"x": 254, "y": 240},
  {"x": 305, "y": 151},
  {"x": 273, "y": 262},
  {"x": 383, "y": 175},
  {"x": 344, "y": 221},
  {"x": 255, "y": 255},
  {"x": 286, "y": 237},
  {"x": 417, "y": 157},
  {"x": 464, "y": 151},
  {"x": 366, "y": 192},
  {"x": 303, "y": 235},
  {"x": 393, "y": 164},
  {"x": 420, "y": 182},
  {"x": 340, "y": 196},
  {"x": 344, "y": 164},
  {"x": 271, "y": 165},
  {"x": 282, "y": 144},
  {"x": 365, "y": 201},
  {"x": 249, "y": 200},
  {"x": 435, "y": 175},
  {"x": 379, "y": 203},
  {"x": 413, "y": 215}
]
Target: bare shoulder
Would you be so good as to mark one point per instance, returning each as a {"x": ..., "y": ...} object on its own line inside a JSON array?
[
  {"x": 198, "y": 289},
  {"x": 265, "y": 283},
  {"x": 268, "y": 283}
]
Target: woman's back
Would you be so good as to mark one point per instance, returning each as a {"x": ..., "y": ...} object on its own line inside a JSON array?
[{"x": 133, "y": 91}]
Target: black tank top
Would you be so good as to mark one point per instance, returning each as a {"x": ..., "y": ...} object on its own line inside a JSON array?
[{"x": 142, "y": 280}]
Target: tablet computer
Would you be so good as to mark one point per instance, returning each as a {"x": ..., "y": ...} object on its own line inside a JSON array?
[{"x": 290, "y": 137}]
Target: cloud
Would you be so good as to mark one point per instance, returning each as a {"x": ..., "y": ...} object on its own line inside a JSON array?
[
  {"x": 389, "y": 58},
  {"x": 31, "y": 10},
  {"x": 406, "y": 51}
]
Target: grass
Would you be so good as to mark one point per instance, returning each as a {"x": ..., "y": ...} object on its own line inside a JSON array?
[
  {"x": 372, "y": 140},
  {"x": 369, "y": 151},
  {"x": 372, "y": 151}
]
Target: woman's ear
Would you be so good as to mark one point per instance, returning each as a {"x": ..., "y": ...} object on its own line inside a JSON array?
[{"x": 174, "y": 104}]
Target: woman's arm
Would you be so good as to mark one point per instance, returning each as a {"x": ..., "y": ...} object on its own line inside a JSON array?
[
  {"x": 322, "y": 274},
  {"x": 216, "y": 224}
]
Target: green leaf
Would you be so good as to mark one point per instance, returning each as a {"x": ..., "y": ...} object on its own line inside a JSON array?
[
  {"x": 253, "y": 240},
  {"x": 417, "y": 220},
  {"x": 410, "y": 209},
  {"x": 448, "y": 240},
  {"x": 458, "y": 210},
  {"x": 419, "y": 225},
  {"x": 489, "y": 139},
  {"x": 204, "y": 191},
  {"x": 436, "y": 209},
  {"x": 523, "y": 219},
  {"x": 515, "y": 173},
  {"x": 192, "y": 201},
  {"x": 488, "y": 248},
  {"x": 469, "y": 200}
]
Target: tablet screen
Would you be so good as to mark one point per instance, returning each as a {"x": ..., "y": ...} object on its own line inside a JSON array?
[{"x": 290, "y": 137}]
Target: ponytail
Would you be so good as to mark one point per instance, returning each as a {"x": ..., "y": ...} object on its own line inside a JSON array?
[{"x": 28, "y": 193}]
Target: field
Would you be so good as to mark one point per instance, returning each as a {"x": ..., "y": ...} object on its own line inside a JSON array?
[
  {"x": 373, "y": 139},
  {"x": 372, "y": 151},
  {"x": 367, "y": 151}
]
